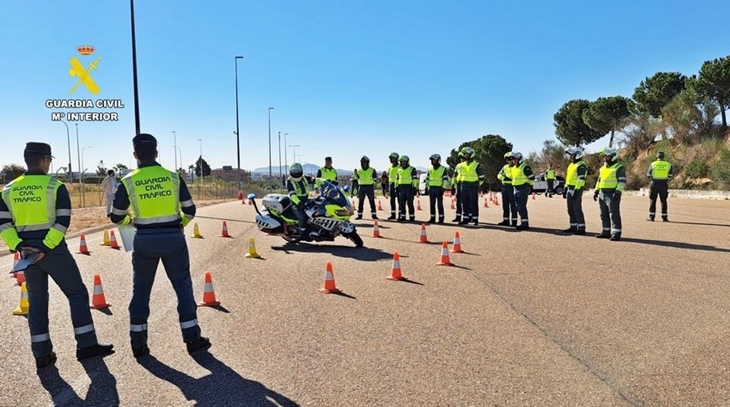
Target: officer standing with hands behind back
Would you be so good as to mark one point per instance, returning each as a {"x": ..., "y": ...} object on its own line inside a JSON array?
[
  {"x": 162, "y": 207},
  {"x": 660, "y": 172},
  {"x": 35, "y": 212}
]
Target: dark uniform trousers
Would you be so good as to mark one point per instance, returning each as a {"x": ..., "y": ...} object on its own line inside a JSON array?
[
  {"x": 575, "y": 209},
  {"x": 405, "y": 197},
  {"x": 61, "y": 266},
  {"x": 393, "y": 198},
  {"x": 459, "y": 202},
  {"x": 550, "y": 184},
  {"x": 369, "y": 191},
  {"x": 660, "y": 189},
  {"x": 522, "y": 192},
  {"x": 610, "y": 213},
  {"x": 470, "y": 201},
  {"x": 151, "y": 246},
  {"x": 509, "y": 207},
  {"x": 436, "y": 198}
]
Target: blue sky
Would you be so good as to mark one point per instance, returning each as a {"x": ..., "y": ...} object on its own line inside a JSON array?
[{"x": 345, "y": 78}]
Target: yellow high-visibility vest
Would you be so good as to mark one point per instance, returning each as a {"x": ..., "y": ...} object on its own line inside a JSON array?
[{"x": 154, "y": 195}]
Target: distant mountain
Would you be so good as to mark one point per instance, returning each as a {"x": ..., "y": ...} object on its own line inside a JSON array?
[{"x": 308, "y": 169}]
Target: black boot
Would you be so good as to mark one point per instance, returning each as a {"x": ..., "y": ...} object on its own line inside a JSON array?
[
  {"x": 432, "y": 220},
  {"x": 198, "y": 344},
  {"x": 391, "y": 217},
  {"x": 457, "y": 219},
  {"x": 93, "y": 351}
]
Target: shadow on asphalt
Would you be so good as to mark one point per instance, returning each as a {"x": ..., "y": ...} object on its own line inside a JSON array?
[
  {"x": 102, "y": 389},
  {"x": 677, "y": 245},
  {"x": 358, "y": 253},
  {"x": 698, "y": 224},
  {"x": 222, "y": 387}
]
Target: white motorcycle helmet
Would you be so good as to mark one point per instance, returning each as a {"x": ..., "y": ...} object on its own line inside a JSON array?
[{"x": 296, "y": 172}]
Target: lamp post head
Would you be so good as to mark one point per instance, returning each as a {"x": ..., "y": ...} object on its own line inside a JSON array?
[{"x": 239, "y": 57}]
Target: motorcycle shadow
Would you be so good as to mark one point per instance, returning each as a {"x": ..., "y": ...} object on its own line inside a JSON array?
[{"x": 357, "y": 253}]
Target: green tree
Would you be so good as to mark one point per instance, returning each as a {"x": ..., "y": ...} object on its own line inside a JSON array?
[
  {"x": 654, "y": 93},
  {"x": 489, "y": 150},
  {"x": 713, "y": 83},
  {"x": 205, "y": 167},
  {"x": 101, "y": 169},
  {"x": 608, "y": 114},
  {"x": 570, "y": 128},
  {"x": 12, "y": 171},
  {"x": 552, "y": 154}
]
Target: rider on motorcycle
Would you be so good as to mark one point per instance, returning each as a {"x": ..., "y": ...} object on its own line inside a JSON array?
[{"x": 298, "y": 186}]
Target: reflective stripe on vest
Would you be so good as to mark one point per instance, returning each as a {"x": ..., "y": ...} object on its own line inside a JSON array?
[
  {"x": 608, "y": 180},
  {"x": 366, "y": 177},
  {"x": 436, "y": 176},
  {"x": 469, "y": 171},
  {"x": 660, "y": 170},
  {"x": 154, "y": 194},
  {"x": 405, "y": 176},
  {"x": 328, "y": 173},
  {"x": 36, "y": 195},
  {"x": 518, "y": 175},
  {"x": 550, "y": 174}
]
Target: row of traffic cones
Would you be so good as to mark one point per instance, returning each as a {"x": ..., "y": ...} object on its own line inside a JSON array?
[
  {"x": 396, "y": 274},
  {"x": 110, "y": 240},
  {"x": 98, "y": 300}
]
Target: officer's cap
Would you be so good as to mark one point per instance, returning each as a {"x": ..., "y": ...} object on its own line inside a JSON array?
[
  {"x": 144, "y": 141},
  {"x": 41, "y": 149}
]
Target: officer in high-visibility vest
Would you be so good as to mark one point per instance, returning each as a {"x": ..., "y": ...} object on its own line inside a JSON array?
[
  {"x": 522, "y": 181},
  {"x": 162, "y": 206},
  {"x": 407, "y": 181},
  {"x": 436, "y": 181},
  {"x": 550, "y": 178},
  {"x": 365, "y": 177},
  {"x": 610, "y": 186},
  {"x": 471, "y": 177},
  {"x": 298, "y": 186},
  {"x": 660, "y": 172},
  {"x": 35, "y": 212},
  {"x": 456, "y": 187},
  {"x": 575, "y": 181},
  {"x": 509, "y": 207},
  {"x": 392, "y": 179},
  {"x": 327, "y": 172}
]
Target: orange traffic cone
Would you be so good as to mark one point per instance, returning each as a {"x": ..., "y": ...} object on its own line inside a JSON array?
[
  {"x": 376, "y": 229},
  {"x": 380, "y": 207},
  {"x": 113, "y": 242},
  {"x": 224, "y": 230},
  {"x": 445, "y": 255},
  {"x": 250, "y": 202},
  {"x": 452, "y": 204},
  {"x": 533, "y": 196},
  {"x": 495, "y": 201},
  {"x": 486, "y": 205},
  {"x": 209, "y": 299},
  {"x": 395, "y": 273},
  {"x": 418, "y": 208},
  {"x": 329, "y": 281},
  {"x": 424, "y": 239},
  {"x": 240, "y": 196},
  {"x": 24, "y": 304},
  {"x": 98, "y": 301},
  {"x": 19, "y": 278},
  {"x": 83, "y": 248},
  {"x": 457, "y": 244}
]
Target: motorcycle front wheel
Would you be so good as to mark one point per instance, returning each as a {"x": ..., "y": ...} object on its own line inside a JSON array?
[{"x": 355, "y": 238}]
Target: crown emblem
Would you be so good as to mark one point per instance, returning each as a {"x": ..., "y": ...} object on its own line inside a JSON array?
[{"x": 85, "y": 50}]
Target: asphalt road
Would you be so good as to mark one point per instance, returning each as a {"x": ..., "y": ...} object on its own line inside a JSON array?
[{"x": 535, "y": 318}]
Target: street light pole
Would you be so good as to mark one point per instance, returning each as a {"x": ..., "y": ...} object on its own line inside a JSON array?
[
  {"x": 286, "y": 163},
  {"x": 238, "y": 136},
  {"x": 78, "y": 154},
  {"x": 174, "y": 140},
  {"x": 134, "y": 71},
  {"x": 81, "y": 176},
  {"x": 279, "y": 154},
  {"x": 68, "y": 138},
  {"x": 294, "y": 146},
  {"x": 270, "y": 142}
]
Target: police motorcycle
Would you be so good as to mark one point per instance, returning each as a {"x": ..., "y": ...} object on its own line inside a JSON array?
[{"x": 329, "y": 212}]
